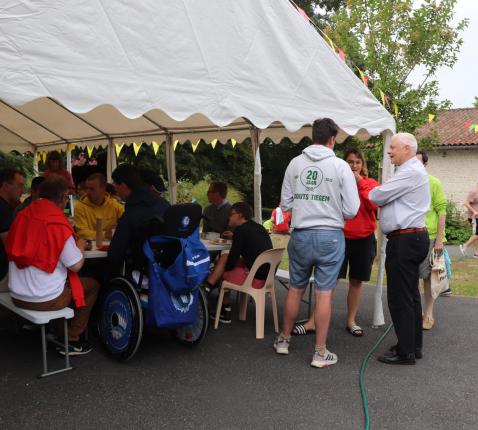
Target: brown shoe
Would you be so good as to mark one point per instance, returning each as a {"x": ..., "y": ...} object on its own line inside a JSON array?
[{"x": 428, "y": 323}]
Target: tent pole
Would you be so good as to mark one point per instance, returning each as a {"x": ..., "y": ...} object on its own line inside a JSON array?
[
  {"x": 387, "y": 172},
  {"x": 36, "y": 172},
  {"x": 257, "y": 174},
  {"x": 68, "y": 159},
  {"x": 111, "y": 159},
  {"x": 171, "y": 167}
]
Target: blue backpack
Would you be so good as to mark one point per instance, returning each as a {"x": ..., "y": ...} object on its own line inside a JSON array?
[{"x": 176, "y": 268}]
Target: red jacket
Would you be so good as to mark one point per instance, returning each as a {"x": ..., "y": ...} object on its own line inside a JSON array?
[
  {"x": 37, "y": 238},
  {"x": 364, "y": 223}
]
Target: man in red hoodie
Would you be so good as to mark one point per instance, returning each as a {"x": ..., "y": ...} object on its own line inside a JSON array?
[{"x": 44, "y": 259}]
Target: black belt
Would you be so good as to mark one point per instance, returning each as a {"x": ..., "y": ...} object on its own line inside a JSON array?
[{"x": 395, "y": 233}]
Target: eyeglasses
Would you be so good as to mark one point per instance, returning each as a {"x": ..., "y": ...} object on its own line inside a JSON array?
[{"x": 354, "y": 162}]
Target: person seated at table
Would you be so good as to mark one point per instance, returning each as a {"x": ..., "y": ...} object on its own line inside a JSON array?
[
  {"x": 216, "y": 215},
  {"x": 34, "y": 190},
  {"x": 54, "y": 167},
  {"x": 97, "y": 203},
  {"x": 11, "y": 188},
  {"x": 142, "y": 205},
  {"x": 44, "y": 258},
  {"x": 250, "y": 239}
]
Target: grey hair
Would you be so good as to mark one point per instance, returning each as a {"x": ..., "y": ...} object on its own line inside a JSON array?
[{"x": 407, "y": 139}]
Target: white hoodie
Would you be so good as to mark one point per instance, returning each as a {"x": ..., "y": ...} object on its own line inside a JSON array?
[{"x": 320, "y": 189}]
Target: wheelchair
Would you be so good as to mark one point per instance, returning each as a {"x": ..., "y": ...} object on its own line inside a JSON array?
[{"x": 121, "y": 320}]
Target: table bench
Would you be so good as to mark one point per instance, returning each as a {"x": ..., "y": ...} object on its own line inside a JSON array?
[
  {"x": 42, "y": 318},
  {"x": 282, "y": 276}
]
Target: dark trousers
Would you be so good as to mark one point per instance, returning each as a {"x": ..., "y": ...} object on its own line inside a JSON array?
[{"x": 404, "y": 255}]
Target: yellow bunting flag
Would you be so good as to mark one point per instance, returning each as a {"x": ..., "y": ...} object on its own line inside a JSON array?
[
  {"x": 69, "y": 148},
  {"x": 43, "y": 156},
  {"x": 155, "y": 147},
  {"x": 431, "y": 117},
  {"x": 233, "y": 142},
  {"x": 476, "y": 128},
  {"x": 137, "y": 147},
  {"x": 195, "y": 145},
  {"x": 395, "y": 108},
  {"x": 330, "y": 41},
  {"x": 175, "y": 144},
  {"x": 118, "y": 148},
  {"x": 89, "y": 149},
  {"x": 38, "y": 157},
  {"x": 213, "y": 143},
  {"x": 382, "y": 96}
]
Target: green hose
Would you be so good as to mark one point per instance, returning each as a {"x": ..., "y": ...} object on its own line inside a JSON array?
[{"x": 362, "y": 371}]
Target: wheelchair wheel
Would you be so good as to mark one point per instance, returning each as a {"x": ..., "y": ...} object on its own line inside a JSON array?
[
  {"x": 120, "y": 321},
  {"x": 191, "y": 335}
]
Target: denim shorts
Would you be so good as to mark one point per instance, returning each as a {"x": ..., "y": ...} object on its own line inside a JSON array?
[{"x": 321, "y": 250}]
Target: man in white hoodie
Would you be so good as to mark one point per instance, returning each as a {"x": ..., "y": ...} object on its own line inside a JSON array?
[{"x": 321, "y": 191}]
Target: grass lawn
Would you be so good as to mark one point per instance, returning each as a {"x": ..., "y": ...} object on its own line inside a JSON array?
[{"x": 464, "y": 271}]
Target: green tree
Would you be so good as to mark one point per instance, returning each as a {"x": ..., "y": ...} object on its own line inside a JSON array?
[{"x": 475, "y": 103}]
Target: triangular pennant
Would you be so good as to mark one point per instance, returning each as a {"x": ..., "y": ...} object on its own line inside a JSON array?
[
  {"x": 364, "y": 77},
  {"x": 175, "y": 144},
  {"x": 213, "y": 143},
  {"x": 137, "y": 147},
  {"x": 155, "y": 147},
  {"x": 233, "y": 142},
  {"x": 342, "y": 55},
  {"x": 431, "y": 117},
  {"x": 43, "y": 156},
  {"x": 118, "y": 148},
  {"x": 329, "y": 40},
  {"x": 89, "y": 149},
  {"x": 69, "y": 148},
  {"x": 38, "y": 156},
  {"x": 382, "y": 96},
  {"x": 195, "y": 145},
  {"x": 302, "y": 12},
  {"x": 395, "y": 108},
  {"x": 467, "y": 125},
  {"x": 476, "y": 128},
  {"x": 471, "y": 128}
]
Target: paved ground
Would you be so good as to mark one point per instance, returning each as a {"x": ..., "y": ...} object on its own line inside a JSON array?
[{"x": 232, "y": 381}]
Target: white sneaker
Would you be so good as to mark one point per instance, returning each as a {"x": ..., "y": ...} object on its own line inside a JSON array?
[
  {"x": 281, "y": 345},
  {"x": 325, "y": 360},
  {"x": 463, "y": 250}
]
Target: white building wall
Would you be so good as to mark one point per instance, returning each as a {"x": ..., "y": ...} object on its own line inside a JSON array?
[{"x": 457, "y": 169}]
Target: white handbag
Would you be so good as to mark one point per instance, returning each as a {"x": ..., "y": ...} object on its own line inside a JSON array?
[{"x": 438, "y": 277}]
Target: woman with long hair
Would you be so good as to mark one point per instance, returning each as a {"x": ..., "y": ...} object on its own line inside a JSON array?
[{"x": 360, "y": 245}]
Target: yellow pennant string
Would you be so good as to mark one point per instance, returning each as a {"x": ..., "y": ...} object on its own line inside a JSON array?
[
  {"x": 431, "y": 117},
  {"x": 43, "y": 156},
  {"x": 90, "y": 151},
  {"x": 137, "y": 147},
  {"x": 233, "y": 142},
  {"x": 476, "y": 128},
  {"x": 195, "y": 145},
  {"x": 213, "y": 143},
  {"x": 329, "y": 40},
  {"x": 155, "y": 147},
  {"x": 118, "y": 148},
  {"x": 382, "y": 96},
  {"x": 175, "y": 144},
  {"x": 395, "y": 108},
  {"x": 69, "y": 148}
]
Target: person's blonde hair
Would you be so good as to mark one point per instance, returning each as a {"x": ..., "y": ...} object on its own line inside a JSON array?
[{"x": 359, "y": 154}]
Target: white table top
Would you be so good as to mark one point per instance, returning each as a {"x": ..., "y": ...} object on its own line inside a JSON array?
[{"x": 96, "y": 253}]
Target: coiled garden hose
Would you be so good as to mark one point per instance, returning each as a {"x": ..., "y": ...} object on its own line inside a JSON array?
[{"x": 361, "y": 376}]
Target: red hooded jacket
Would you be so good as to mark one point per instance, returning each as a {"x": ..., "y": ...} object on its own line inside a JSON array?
[{"x": 37, "y": 238}]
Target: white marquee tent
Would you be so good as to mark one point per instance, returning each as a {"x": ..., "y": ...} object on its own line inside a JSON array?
[{"x": 105, "y": 73}]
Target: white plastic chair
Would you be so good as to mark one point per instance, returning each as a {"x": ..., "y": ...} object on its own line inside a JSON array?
[{"x": 273, "y": 258}]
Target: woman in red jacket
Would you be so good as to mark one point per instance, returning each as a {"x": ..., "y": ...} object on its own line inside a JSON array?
[{"x": 360, "y": 245}]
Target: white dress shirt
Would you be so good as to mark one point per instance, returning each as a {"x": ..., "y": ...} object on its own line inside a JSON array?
[{"x": 404, "y": 198}]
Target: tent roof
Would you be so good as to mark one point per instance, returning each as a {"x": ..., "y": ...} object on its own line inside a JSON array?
[{"x": 195, "y": 68}]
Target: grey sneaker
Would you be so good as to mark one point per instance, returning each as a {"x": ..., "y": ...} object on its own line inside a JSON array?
[
  {"x": 281, "y": 345},
  {"x": 325, "y": 360}
]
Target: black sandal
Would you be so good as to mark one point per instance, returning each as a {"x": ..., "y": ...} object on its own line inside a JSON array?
[{"x": 301, "y": 330}]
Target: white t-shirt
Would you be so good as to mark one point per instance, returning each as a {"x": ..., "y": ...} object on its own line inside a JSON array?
[{"x": 35, "y": 285}]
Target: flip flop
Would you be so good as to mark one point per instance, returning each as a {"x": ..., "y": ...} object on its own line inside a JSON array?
[
  {"x": 300, "y": 330},
  {"x": 355, "y": 330}
]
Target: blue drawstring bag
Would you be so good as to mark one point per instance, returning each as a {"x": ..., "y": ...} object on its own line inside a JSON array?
[
  {"x": 177, "y": 267},
  {"x": 447, "y": 263}
]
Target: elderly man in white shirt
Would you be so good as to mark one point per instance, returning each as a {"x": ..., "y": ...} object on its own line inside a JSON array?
[{"x": 405, "y": 201}]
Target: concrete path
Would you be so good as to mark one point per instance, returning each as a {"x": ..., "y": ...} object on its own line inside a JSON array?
[{"x": 233, "y": 381}]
